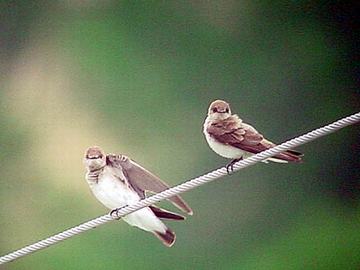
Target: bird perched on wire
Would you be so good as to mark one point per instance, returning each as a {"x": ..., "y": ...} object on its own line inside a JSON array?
[
  {"x": 117, "y": 181},
  {"x": 230, "y": 137}
]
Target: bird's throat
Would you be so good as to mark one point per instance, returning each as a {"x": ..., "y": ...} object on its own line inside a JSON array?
[{"x": 93, "y": 175}]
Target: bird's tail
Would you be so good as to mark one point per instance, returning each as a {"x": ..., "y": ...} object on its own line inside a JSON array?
[
  {"x": 168, "y": 238},
  {"x": 162, "y": 213},
  {"x": 289, "y": 155}
]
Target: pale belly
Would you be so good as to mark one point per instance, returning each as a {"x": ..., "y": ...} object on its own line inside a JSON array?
[
  {"x": 113, "y": 193},
  {"x": 226, "y": 151}
]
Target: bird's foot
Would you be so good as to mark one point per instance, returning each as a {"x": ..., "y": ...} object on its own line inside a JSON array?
[
  {"x": 115, "y": 213},
  {"x": 230, "y": 166}
]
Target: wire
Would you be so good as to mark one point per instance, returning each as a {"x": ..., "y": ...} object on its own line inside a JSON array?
[{"x": 208, "y": 177}]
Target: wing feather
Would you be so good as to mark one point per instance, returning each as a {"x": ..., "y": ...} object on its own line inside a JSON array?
[
  {"x": 232, "y": 131},
  {"x": 142, "y": 180}
]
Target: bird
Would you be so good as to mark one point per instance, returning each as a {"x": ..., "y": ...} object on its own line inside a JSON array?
[
  {"x": 118, "y": 181},
  {"x": 229, "y": 137}
]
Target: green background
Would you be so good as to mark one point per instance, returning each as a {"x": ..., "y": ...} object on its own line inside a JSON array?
[{"x": 136, "y": 77}]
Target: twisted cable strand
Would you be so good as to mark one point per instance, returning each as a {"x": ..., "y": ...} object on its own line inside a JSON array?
[{"x": 208, "y": 177}]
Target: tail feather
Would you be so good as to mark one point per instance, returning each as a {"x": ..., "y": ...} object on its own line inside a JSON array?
[
  {"x": 296, "y": 153},
  {"x": 181, "y": 204},
  {"x": 161, "y": 213},
  {"x": 289, "y": 155},
  {"x": 168, "y": 238}
]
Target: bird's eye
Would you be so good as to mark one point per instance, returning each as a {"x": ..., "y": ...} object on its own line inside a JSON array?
[
  {"x": 214, "y": 110},
  {"x": 227, "y": 110}
]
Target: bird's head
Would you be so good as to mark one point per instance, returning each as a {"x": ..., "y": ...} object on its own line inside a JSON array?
[
  {"x": 219, "y": 110},
  {"x": 94, "y": 158}
]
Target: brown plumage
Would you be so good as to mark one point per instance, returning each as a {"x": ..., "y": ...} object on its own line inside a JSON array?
[
  {"x": 233, "y": 132},
  {"x": 230, "y": 137},
  {"x": 167, "y": 238},
  {"x": 142, "y": 180},
  {"x": 162, "y": 213}
]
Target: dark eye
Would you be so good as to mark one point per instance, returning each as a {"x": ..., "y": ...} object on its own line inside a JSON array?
[
  {"x": 227, "y": 110},
  {"x": 214, "y": 110}
]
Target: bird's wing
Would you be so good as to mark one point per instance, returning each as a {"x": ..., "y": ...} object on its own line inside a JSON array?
[
  {"x": 142, "y": 180},
  {"x": 232, "y": 131}
]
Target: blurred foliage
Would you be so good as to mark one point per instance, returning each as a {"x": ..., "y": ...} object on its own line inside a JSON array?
[{"x": 137, "y": 78}]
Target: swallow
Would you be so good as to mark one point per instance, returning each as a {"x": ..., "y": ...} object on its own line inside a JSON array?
[
  {"x": 229, "y": 137},
  {"x": 118, "y": 181}
]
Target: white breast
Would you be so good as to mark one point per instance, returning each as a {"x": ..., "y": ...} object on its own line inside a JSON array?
[
  {"x": 224, "y": 150},
  {"x": 112, "y": 192}
]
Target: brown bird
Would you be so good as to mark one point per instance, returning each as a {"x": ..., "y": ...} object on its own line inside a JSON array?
[
  {"x": 230, "y": 137},
  {"x": 117, "y": 181}
]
